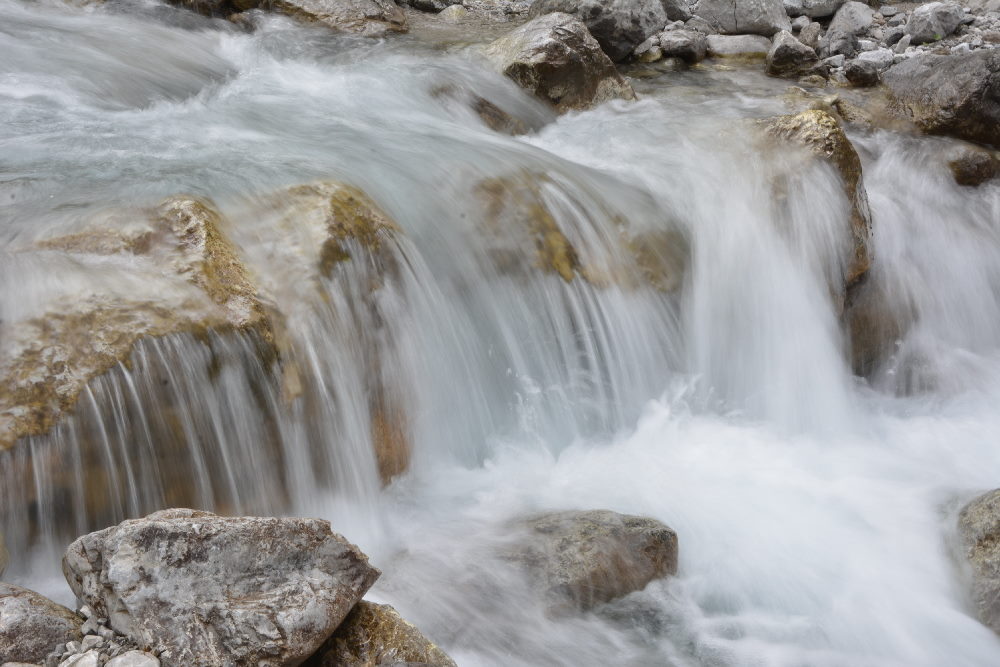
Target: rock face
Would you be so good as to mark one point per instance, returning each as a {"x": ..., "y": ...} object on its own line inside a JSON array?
[
  {"x": 555, "y": 58},
  {"x": 979, "y": 529},
  {"x": 758, "y": 17},
  {"x": 934, "y": 21},
  {"x": 812, "y": 8},
  {"x": 955, "y": 95},
  {"x": 210, "y": 590},
  {"x": 32, "y": 626},
  {"x": 688, "y": 45},
  {"x": 971, "y": 167},
  {"x": 586, "y": 558},
  {"x": 375, "y": 634},
  {"x": 820, "y": 133},
  {"x": 619, "y": 25},
  {"x": 372, "y": 18},
  {"x": 789, "y": 57}
]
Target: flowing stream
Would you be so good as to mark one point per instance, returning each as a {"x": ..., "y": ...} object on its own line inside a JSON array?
[{"x": 814, "y": 509}]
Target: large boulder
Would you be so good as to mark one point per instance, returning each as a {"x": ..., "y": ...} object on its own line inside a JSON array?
[
  {"x": 375, "y": 634},
  {"x": 789, "y": 57},
  {"x": 372, "y": 18},
  {"x": 213, "y": 591},
  {"x": 957, "y": 95},
  {"x": 934, "y": 21},
  {"x": 32, "y": 626},
  {"x": 618, "y": 25},
  {"x": 812, "y": 8},
  {"x": 851, "y": 21},
  {"x": 557, "y": 59},
  {"x": 979, "y": 529},
  {"x": 759, "y": 17},
  {"x": 584, "y": 558}
]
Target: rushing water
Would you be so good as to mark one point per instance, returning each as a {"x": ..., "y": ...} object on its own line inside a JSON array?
[{"x": 814, "y": 509}]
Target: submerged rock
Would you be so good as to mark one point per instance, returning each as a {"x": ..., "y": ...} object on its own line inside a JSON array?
[
  {"x": 618, "y": 26},
  {"x": 956, "y": 95},
  {"x": 375, "y": 634},
  {"x": 979, "y": 530},
  {"x": 584, "y": 558},
  {"x": 760, "y": 17},
  {"x": 32, "y": 626},
  {"x": 556, "y": 58},
  {"x": 213, "y": 591}
]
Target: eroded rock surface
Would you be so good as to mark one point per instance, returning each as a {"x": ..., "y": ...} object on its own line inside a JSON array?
[
  {"x": 32, "y": 626},
  {"x": 759, "y": 17},
  {"x": 373, "y": 18},
  {"x": 979, "y": 529}
]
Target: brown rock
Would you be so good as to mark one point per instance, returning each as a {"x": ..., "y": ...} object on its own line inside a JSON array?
[
  {"x": 974, "y": 166},
  {"x": 32, "y": 626}
]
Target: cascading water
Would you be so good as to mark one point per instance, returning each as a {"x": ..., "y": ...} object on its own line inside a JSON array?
[{"x": 813, "y": 508}]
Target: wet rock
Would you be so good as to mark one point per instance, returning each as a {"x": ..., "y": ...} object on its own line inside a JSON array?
[
  {"x": 688, "y": 45},
  {"x": 584, "y": 558},
  {"x": 375, "y": 634},
  {"x": 759, "y": 17},
  {"x": 556, "y": 58},
  {"x": 134, "y": 659},
  {"x": 738, "y": 46},
  {"x": 4, "y": 556},
  {"x": 203, "y": 589},
  {"x": 618, "y": 26},
  {"x": 972, "y": 166},
  {"x": 979, "y": 530},
  {"x": 371, "y": 18},
  {"x": 810, "y": 35},
  {"x": 812, "y": 8},
  {"x": 789, "y": 57},
  {"x": 934, "y": 21},
  {"x": 956, "y": 95},
  {"x": 821, "y": 134},
  {"x": 874, "y": 323},
  {"x": 32, "y": 626},
  {"x": 861, "y": 73}
]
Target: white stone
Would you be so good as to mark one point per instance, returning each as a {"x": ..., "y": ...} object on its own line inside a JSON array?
[
  {"x": 738, "y": 45},
  {"x": 88, "y": 659},
  {"x": 882, "y": 58},
  {"x": 134, "y": 659}
]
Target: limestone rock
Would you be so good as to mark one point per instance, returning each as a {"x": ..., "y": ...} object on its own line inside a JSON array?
[
  {"x": 979, "y": 529},
  {"x": 811, "y": 34},
  {"x": 738, "y": 46},
  {"x": 134, "y": 659},
  {"x": 972, "y": 166},
  {"x": 759, "y": 17},
  {"x": 375, "y": 634},
  {"x": 812, "y": 8},
  {"x": 618, "y": 25},
  {"x": 556, "y": 58},
  {"x": 584, "y": 558},
  {"x": 789, "y": 57},
  {"x": 934, "y": 21},
  {"x": 372, "y": 18},
  {"x": 212, "y": 591},
  {"x": 688, "y": 45},
  {"x": 957, "y": 95},
  {"x": 4, "y": 556},
  {"x": 32, "y": 626},
  {"x": 851, "y": 20}
]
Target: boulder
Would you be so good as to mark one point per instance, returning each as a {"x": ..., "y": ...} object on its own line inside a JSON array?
[
  {"x": 957, "y": 95},
  {"x": 373, "y": 18},
  {"x": 971, "y": 167},
  {"x": 979, "y": 531},
  {"x": 822, "y": 136},
  {"x": 851, "y": 20},
  {"x": 32, "y": 626},
  {"x": 556, "y": 58},
  {"x": 811, "y": 34},
  {"x": 861, "y": 73},
  {"x": 789, "y": 57},
  {"x": 584, "y": 558},
  {"x": 758, "y": 17},
  {"x": 738, "y": 46},
  {"x": 690, "y": 46},
  {"x": 619, "y": 25},
  {"x": 934, "y": 21},
  {"x": 208, "y": 590},
  {"x": 375, "y": 634},
  {"x": 812, "y": 8},
  {"x": 882, "y": 58},
  {"x": 134, "y": 659}
]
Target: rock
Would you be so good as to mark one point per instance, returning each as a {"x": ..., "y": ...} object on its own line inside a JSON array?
[
  {"x": 373, "y": 18},
  {"x": 799, "y": 23},
  {"x": 453, "y": 13},
  {"x": 584, "y": 558},
  {"x": 32, "y": 626},
  {"x": 979, "y": 530},
  {"x": 888, "y": 11},
  {"x": 874, "y": 321},
  {"x": 688, "y": 45},
  {"x": 882, "y": 58},
  {"x": 902, "y": 45},
  {"x": 789, "y": 57},
  {"x": 812, "y": 8},
  {"x": 759, "y": 17},
  {"x": 861, "y": 73},
  {"x": 651, "y": 55},
  {"x": 375, "y": 634},
  {"x": 811, "y": 34},
  {"x": 209, "y": 590},
  {"x": 974, "y": 166},
  {"x": 134, "y": 659},
  {"x": 934, "y": 21},
  {"x": 554, "y": 57},
  {"x": 4, "y": 556},
  {"x": 957, "y": 96},
  {"x": 851, "y": 20},
  {"x": 738, "y": 46},
  {"x": 836, "y": 61},
  {"x": 88, "y": 659},
  {"x": 618, "y": 26},
  {"x": 821, "y": 134}
]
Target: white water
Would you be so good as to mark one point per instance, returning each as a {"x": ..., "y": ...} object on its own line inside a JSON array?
[{"x": 814, "y": 510}]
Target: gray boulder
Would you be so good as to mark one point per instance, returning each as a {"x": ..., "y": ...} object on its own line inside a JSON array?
[
  {"x": 688, "y": 45},
  {"x": 738, "y": 46},
  {"x": 213, "y": 591},
  {"x": 367, "y": 17},
  {"x": 618, "y": 25},
  {"x": 882, "y": 58},
  {"x": 956, "y": 95},
  {"x": 811, "y": 34},
  {"x": 851, "y": 20},
  {"x": 812, "y": 8},
  {"x": 979, "y": 530},
  {"x": 583, "y": 558},
  {"x": 4, "y": 556},
  {"x": 861, "y": 73},
  {"x": 934, "y": 21},
  {"x": 32, "y": 626},
  {"x": 557, "y": 59},
  {"x": 974, "y": 165},
  {"x": 134, "y": 659},
  {"x": 789, "y": 57},
  {"x": 758, "y": 17}
]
